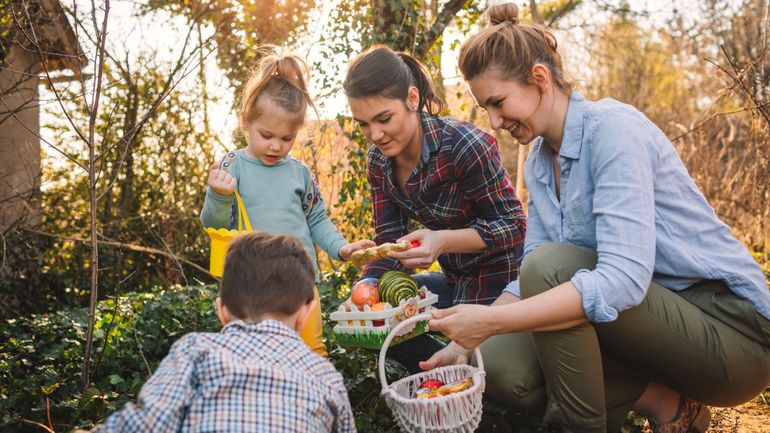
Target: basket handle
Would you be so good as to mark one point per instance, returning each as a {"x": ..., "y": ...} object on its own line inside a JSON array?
[
  {"x": 243, "y": 218},
  {"x": 392, "y": 335}
]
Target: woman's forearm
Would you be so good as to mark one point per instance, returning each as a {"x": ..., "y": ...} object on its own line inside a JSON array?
[
  {"x": 461, "y": 241},
  {"x": 505, "y": 298},
  {"x": 553, "y": 310}
]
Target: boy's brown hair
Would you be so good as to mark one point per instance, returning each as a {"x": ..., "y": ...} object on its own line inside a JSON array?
[{"x": 266, "y": 273}]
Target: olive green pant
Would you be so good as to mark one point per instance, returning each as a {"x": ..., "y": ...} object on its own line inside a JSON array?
[{"x": 704, "y": 342}]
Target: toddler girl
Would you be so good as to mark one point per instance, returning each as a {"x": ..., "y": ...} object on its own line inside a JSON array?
[{"x": 278, "y": 191}]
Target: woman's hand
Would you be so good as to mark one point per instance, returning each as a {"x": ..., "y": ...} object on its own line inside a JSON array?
[
  {"x": 452, "y": 354},
  {"x": 465, "y": 324},
  {"x": 220, "y": 180},
  {"x": 348, "y": 249},
  {"x": 431, "y": 246}
]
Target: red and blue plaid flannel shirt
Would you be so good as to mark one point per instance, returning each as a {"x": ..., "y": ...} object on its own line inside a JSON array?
[{"x": 460, "y": 182}]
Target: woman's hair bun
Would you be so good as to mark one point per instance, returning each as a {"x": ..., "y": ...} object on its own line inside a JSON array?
[{"x": 502, "y": 12}]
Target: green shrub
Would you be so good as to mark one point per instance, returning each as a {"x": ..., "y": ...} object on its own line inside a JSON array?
[{"x": 41, "y": 358}]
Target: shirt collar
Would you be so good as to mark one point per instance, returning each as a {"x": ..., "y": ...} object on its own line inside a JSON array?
[
  {"x": 431, "y": 133},
  {"x": 242, "y": 153},
  {"x": 572, "y": 139},
  {"x": 269, "y": 326}
]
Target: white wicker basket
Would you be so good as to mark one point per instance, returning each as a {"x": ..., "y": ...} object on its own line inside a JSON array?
[{"x": 459, "y": 412}]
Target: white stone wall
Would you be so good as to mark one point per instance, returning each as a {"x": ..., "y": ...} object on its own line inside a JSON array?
[{"x": 19, "y": 148}]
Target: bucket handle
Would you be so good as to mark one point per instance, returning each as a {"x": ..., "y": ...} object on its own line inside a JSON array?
[
  {"x": 394, "y": 332},
  {"x": 243, "y": 218}
]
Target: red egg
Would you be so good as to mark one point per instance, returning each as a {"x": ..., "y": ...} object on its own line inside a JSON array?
[{"x": 432, "y": 384}]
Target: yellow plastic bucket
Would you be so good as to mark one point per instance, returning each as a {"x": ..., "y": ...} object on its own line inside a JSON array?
[{"x": 221, "y": 238}]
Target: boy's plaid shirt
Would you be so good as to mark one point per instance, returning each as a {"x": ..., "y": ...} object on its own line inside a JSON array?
[
  {"x": 248, "y": 378},
  {"x": 460, "y": 182}
]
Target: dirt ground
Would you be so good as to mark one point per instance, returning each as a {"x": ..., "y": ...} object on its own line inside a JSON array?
[{"x": 752, "y": 417}]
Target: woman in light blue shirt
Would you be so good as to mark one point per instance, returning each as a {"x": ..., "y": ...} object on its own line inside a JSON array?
[{"x": 632, "y": 293}]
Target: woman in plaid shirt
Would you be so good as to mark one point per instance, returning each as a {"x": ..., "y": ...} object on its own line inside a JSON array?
[{"x": 443, "y": 173}]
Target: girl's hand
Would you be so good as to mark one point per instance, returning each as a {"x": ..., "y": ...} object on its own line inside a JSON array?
[
  {"x": 463, "y": 323},
  {"x": 348, "y": 249},
  {"x": 431, "y": 246},
  {"x": 453, "y": 354},
  {"x": 220, "y": 180}
]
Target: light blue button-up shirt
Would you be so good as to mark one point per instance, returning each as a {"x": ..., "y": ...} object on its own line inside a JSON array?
[{"x": 625, "y": 193}]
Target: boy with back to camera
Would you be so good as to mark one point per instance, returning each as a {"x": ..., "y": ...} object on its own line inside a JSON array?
[{"x": 256, "y": 374}]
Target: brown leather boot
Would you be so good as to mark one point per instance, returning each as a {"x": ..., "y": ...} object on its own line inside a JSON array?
[{"x": 691, "y": 417}]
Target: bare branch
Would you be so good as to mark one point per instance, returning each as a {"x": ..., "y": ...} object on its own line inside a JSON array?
[
  {"x": 536, "y": 18},
  {"x": 563, "y": 10},
  {"x": 704, "y": 122},
  {"x": 40, "y": 137},
  {"x": 77, "y": 38},
  {"x": 36, "y": 42},
  {"x": 443, "y": 19},
  {"x": 737, "y": 78},
  {"x": 129, "y": 136},
  {"x": 93, "y": 201},
  {"x": 141, "y": 352},
  {"x": 125, "y": 246}
]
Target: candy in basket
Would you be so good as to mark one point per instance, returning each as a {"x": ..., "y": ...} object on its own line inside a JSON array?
[
  {"x": 375, "y": 307},
  {"x": 443, "y": 400}
]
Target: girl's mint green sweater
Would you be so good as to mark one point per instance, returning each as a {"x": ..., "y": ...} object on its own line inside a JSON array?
[{"x": 282, "y": 198}]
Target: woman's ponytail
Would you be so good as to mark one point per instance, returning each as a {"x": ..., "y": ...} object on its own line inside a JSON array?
[
  {"x": 428, "y": 98},
  {"x": 380, "y": 71}
]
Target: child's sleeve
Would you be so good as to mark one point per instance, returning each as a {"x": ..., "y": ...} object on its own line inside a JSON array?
[
  {"x": 344, "y": 422},
  {"x": 218, "y": 209},
  {"x": 164, "y": 398},
  {"x": 322, "y": 230}
]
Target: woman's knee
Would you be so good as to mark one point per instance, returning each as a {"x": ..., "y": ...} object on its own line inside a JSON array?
[
  {"x": 552, "y": 264},
  {"x": 514, "y": 378}
]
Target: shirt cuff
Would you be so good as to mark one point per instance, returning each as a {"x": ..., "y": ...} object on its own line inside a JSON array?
[
  {"x": 224, "y": 199},
  {"x": 335, "y": 249},
  {"x": 513, "y": 288},
  {"x": 595, "y": 305}
]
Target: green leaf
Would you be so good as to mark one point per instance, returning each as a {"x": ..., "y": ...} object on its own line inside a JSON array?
[{"x": 115, "y": 379}]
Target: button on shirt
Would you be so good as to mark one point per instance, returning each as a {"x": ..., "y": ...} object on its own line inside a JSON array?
[
  {"x": 248, "y": 378},
  {"x": 460, "y": 182},
  {"x": 625, "y": 193}
]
